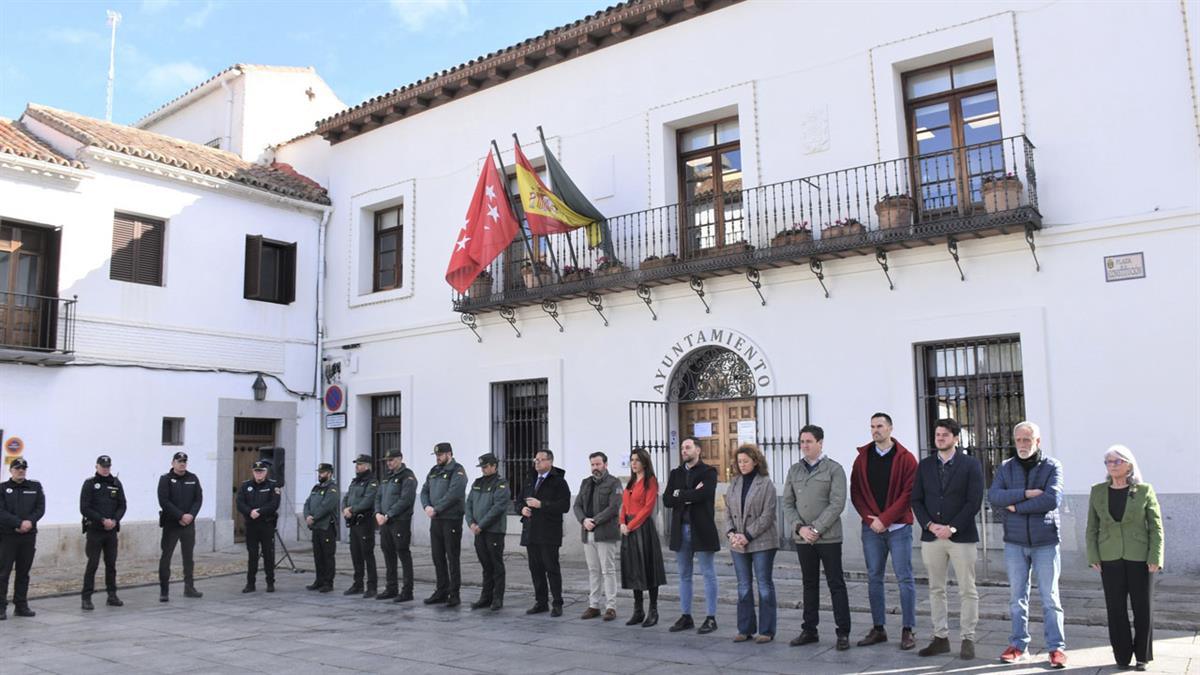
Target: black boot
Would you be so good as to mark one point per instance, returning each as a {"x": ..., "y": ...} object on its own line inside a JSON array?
[
  {"x": 86, "y": 603},
  {"x": 23, "y": 610},
  {"x": 114, "y": 601},
  {"x": 651, "y": 617},
  {"x": 248, "y": 588},
  {"x": 313, "y": 586},
  {"x": 271, "y": 586},
  {"x": 164, "y": 594},
  {"x": 191, "y": 592},
  {"x": 405, "y": 596},
  {"x": 639, "y": 615}
]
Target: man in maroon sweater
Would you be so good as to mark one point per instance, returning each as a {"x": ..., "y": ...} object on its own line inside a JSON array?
[{"x": 881, "y": 485}]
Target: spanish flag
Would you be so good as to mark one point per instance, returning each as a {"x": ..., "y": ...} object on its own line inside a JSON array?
[{"x": 545, "y": 211}]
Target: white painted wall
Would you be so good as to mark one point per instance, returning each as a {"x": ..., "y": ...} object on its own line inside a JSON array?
[{"x": 208, "y": 117}]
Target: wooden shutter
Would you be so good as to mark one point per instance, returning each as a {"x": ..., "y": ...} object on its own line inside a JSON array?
[
  {"x": 252, "y": 284},
  {"x": 149, "y": 264},
  {"x": 50, "y": 289},
  {"x": 120, "y": 266},
  {"x": 287, "y": 274}
]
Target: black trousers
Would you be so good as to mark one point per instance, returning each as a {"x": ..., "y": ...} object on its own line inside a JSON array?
[
  {"x": 1129, "y": 582},
  {"x": 16, "y": 550},
  {"x": 547, "y": 575},
  {"x": 185, "y": 537},
  {"x": 260, "y": 536},
  {"x": 812, "y": 558},
  {"x": 362, "y": 553},
  {"x": 445, "y": 538},
  {"x": 324, "y": 551},
  {"x": 99, "y": 542},
  {"x": 489, "y": 546},
  {"x": 395, "y": 538}
]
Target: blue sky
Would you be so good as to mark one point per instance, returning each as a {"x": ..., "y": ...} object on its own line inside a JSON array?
[{"x": 56, "y": 53}]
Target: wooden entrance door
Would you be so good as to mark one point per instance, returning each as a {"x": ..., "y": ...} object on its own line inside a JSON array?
[
  {"x": 249, "y": 434},
  {"x": 720, "y": 445}
]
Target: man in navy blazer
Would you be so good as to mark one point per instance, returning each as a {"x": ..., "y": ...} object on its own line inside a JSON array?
[
  {"x": 947, "y": 495},
  {"x": 545, "y": 499}
]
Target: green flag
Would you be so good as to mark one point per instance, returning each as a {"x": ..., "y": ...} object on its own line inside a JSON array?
[{"x": 564, "y": 188}]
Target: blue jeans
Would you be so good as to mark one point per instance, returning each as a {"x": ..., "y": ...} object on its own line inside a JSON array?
[
  {"x": 683, "y": 563},
  {"x": 1045, "y": 563},
  {"x": 748, "y": 566},
  {"x": 876, "y": 548}
]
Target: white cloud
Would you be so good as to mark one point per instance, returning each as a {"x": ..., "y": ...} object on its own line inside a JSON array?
[
  {"x": 417, "y": 15},
  {"x": 75, "y": 36},
  {"x": 198, "y": 18},
  {"x": 172, "y": 79}
]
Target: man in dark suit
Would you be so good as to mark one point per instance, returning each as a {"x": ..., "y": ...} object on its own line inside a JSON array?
[
  {"x": 690, "y": 494},
  {"x": 947, "y": 494},
  {"x": 546, "y": 499}
]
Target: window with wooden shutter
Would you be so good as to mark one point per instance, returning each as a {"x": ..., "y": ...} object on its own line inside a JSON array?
[
  {"x": 270, "y": 272},
  {"x": 137, "y": 250}
]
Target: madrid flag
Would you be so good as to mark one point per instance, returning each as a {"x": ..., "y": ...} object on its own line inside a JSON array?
[{"x": 489, "y": 228}]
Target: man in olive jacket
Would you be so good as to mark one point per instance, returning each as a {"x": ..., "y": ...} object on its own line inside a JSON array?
[
  {"x": 393, "y": 513},
  {"x": 488, "y": 502},
  {"x": 814, "y": 497},
  {"x": 444, "y": 495},
  {"x": 358, "y": 508},
  {"x": 597, "y": 508},
  {"x": 320, "y": 514}
]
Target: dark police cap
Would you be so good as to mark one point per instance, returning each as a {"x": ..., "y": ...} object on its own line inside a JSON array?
[
  {"x": 363, "y": 459},
  {"x": 180, "y": 457},
  {"x": 394, "y": 454},
  {"x": 19, "y": 463},
  {"x": 104, "y": 461},
  {"x": 262, "y": 465},
  {"x": 488, "y": 458},
  {"x": 325, "y": 466},
  {"x": 442, "y": 447}
]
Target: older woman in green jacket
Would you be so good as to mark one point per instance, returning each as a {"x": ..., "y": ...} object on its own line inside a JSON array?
[{"x": 1125, "y": 543}]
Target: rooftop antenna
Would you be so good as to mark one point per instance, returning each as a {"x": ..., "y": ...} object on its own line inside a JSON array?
[{"x": 114, "y": 18}]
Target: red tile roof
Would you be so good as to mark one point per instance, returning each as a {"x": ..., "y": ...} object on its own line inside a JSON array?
[
  {"x": 178, "y": 153},
  {"x": 15, "y": 139}
]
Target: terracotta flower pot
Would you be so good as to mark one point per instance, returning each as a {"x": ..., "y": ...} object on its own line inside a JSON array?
[
  {"x": 480, "y": 288},
  {"x": 1001, "y": 195},
  {"x": 791, "y": 238},
  {"x": 533, "y": 280},
  {"x": 835, "y": 231},
  {"x": 894, "y": 212}
]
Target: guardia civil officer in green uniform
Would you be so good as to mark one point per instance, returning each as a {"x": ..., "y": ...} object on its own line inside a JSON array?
[
  {"x": 320, "y": 513},
  {"x": 258, "y": 502},
  {"x": 488, "y": 502},
  {"x": 358, "y": 508},
  {"x": 443, "y": 497},
  {"x": 393, "y": 513}
]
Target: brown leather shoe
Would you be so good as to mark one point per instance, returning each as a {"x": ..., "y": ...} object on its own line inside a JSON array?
[
  {"x": 938, "y": 645},
  {"x": 876, "y": 636},
  {"x": 908, "y": 639},
  {"x": 590, "y": 613},
  {"x": 610, "y": 614}
]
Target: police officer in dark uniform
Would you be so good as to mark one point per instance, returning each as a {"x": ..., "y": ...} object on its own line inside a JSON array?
[
  {"x": 488, "y": 502},
  {"x": 443, "y": 497},
  {"x": 102, "y": 505},
  {"x": 179, "y": 497},
  {"x": 22, "y": 505},
  {"x": 393, "y": 513},
  {"x": 320, "y": 513},
  {"x": 258, "y": 502},
  {"x": 358, "y": 508}
]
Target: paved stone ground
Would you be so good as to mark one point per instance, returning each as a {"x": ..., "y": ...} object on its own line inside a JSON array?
[{"x": 297, "y": 631}]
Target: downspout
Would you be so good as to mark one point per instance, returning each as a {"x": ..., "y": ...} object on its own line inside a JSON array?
[
  {"x": 319, "y": 366},
  {"x": 228, "y": 144}
]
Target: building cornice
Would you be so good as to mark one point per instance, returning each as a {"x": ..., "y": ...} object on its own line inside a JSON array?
[
  {"x": 42, "y": 170},
  {"x": 602, "y": 29},
  {"x": 197, "y": 179}
]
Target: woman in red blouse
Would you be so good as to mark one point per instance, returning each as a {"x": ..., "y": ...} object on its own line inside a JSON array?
[{"x": 641, "y": 552}]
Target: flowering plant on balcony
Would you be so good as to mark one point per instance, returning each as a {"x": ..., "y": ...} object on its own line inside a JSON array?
[
  {"x": 573, "y": 273},
  {"x": 652, "y": 261},
  {"x": 846, "y": 222},
  {"x": 797, "y": 233},
  {"x": 534, "y": 267},
  {"x": 607, "y": 266},
  {"x": 899, "y": 198},
  {"x": 842, "y": 227},
  {"x": 997, "y": 178}
]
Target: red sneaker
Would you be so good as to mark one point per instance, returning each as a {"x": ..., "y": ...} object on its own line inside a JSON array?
[
  {"x": 1058, "y": 659},
  {"x": 1013, "y": 655}
]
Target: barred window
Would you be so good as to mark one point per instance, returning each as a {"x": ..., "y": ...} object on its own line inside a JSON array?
[
  {"x": 520, "y": 428},
  {"x": 385, "y": 428},
  {"x": 979, "y": 383}
]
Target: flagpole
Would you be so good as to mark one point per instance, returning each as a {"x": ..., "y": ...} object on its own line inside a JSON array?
[
  {"x": 508, "y": 200},
  {"x": 570, "y": 246}
]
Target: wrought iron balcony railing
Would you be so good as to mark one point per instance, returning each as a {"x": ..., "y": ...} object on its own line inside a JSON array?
[
  {"x": 36, "y": 328},
  {"x": 971, "y": 191}
]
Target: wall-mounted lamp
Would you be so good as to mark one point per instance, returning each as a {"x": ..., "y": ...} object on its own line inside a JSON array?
[{"x": 260, "y": 388}]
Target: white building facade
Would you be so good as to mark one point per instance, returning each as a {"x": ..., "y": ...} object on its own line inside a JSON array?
[{"x": 1067, "y": 295}]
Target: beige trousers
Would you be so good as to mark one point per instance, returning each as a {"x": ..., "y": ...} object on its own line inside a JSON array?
[
  {"x": 939, "y": 556},
  {"x": 602, "y": 571}
]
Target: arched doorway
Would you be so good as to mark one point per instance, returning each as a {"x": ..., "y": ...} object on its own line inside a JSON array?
[{"x": 715, "y": 390}]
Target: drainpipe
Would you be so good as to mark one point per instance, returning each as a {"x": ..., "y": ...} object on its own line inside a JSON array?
[
  {"x": 319, "y": 366},
  {"x": 228, "y": 144}
]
